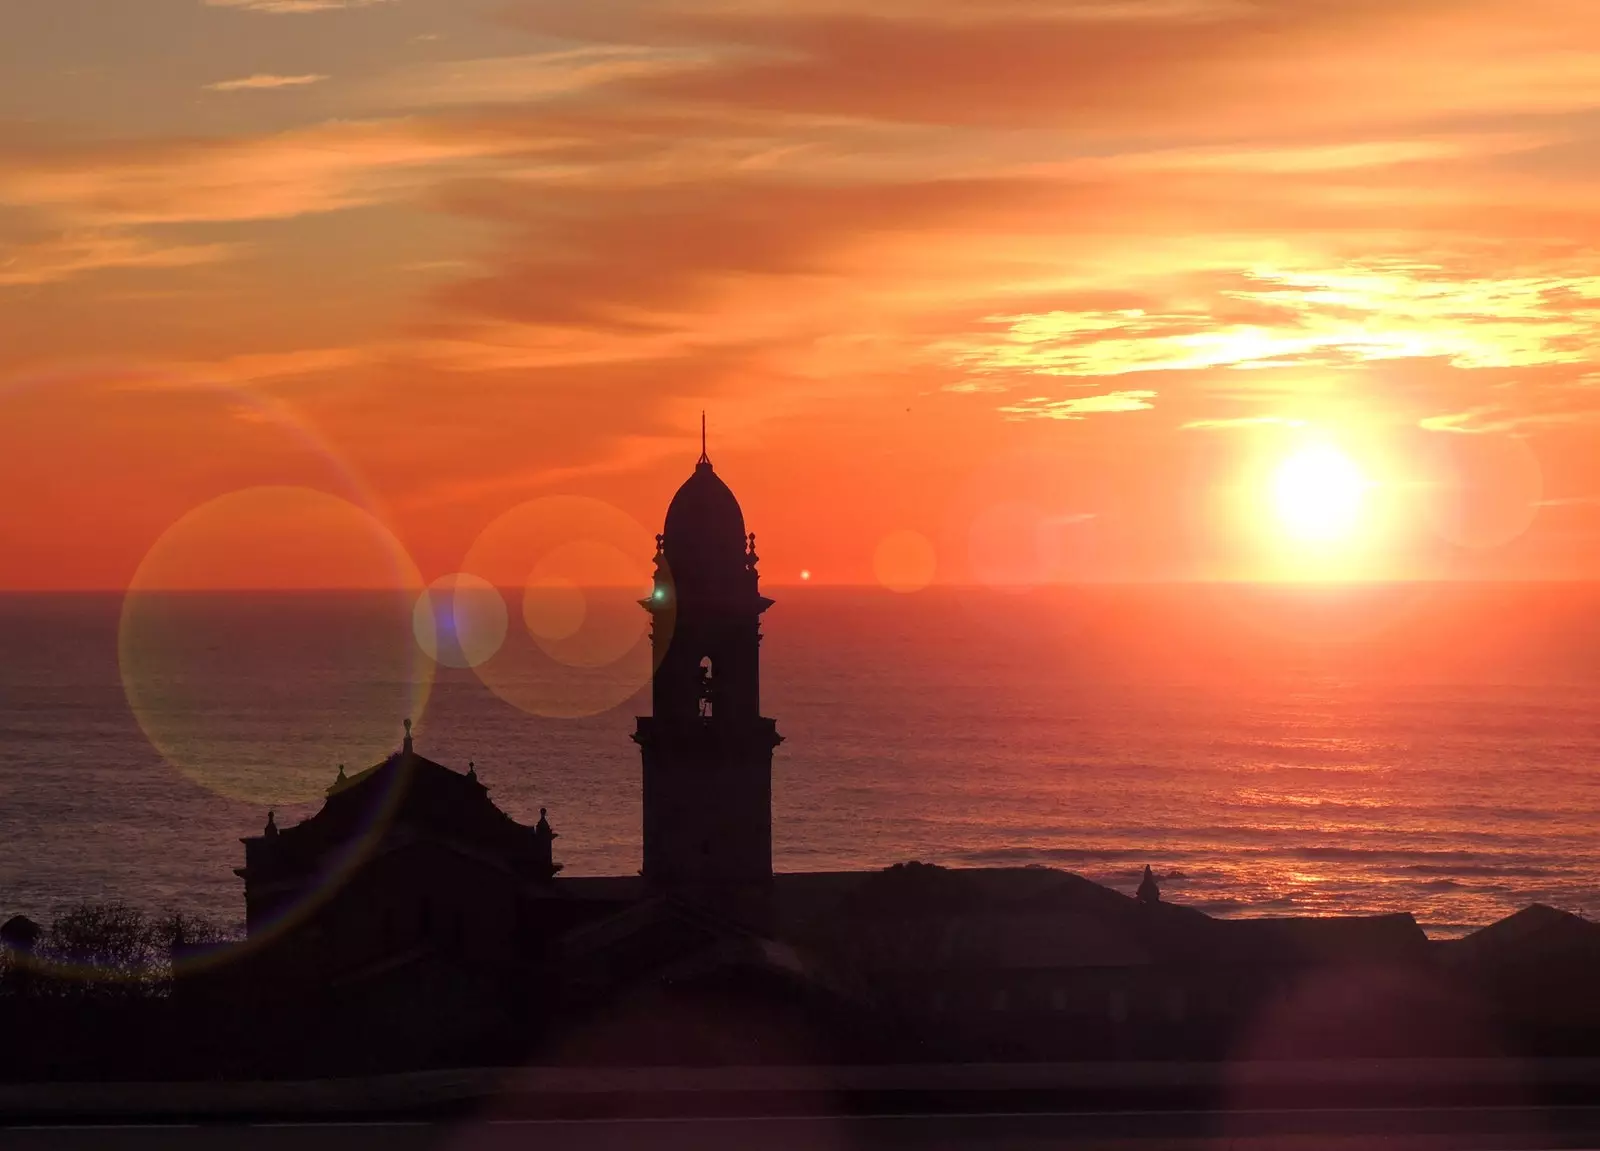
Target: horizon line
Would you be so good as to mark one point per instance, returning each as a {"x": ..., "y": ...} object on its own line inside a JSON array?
[{"x": 811, "y": 585}]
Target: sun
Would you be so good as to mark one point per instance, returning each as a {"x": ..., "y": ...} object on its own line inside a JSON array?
[{"x": 1318, "y": 493}]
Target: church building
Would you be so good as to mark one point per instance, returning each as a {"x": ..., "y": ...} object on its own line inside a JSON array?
[
  {"x": 411, "y": 888},
  {"x": 411, "y": 862}
]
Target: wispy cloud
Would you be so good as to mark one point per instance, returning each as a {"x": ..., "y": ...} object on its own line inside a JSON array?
[
  {"x": 1243, "y": 422},
  {"x": 293, "y": 7},
  {"x": 62, "y": 257},
  {"x": 324, "y": 168},
  {"x": 1077, "y": 407},
  {"x": 264, "y": 80},
  {"x": 514, "y": 79},
  {"x": 1490, "y": 419}
]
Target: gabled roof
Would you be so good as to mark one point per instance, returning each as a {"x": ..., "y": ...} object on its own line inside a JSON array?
[
  {"x": 405, "y": 791},
  {"x": 1537, "y": 933}
]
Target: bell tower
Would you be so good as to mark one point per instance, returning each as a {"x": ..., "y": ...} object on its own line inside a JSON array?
[{"x": 707, "y": 749}]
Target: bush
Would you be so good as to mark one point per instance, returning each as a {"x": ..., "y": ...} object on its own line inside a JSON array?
[
  {"x": 103, "y": 948},
  {"x": 110, "y": 950}
]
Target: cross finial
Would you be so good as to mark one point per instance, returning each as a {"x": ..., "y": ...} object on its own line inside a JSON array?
[{"x": 705, "y": 457}]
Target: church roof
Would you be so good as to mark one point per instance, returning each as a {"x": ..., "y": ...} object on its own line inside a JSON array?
[
  {"x": 918, "y": 917},
  {"x": 405, "y": 790}
]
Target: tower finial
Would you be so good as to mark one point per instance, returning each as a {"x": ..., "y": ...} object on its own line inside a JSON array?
[
  {"x": 407, "y": 747},
  {"x": 705, "y": 457}
]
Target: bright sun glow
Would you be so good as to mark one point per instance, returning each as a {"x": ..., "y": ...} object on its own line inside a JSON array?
[{"x": 1318, "y": 493}]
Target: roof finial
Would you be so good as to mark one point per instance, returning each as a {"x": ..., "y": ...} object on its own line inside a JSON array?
[
  {"x": 407, "y": 746},
  {"x": 705, "y": 457}
]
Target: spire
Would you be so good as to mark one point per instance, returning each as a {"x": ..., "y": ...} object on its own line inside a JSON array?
[{"x": 705, "y": 458}]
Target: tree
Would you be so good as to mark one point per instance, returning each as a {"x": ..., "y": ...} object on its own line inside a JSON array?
[
  {"x": 103, "y": 949},
  {"x": 185, "y": 938}
]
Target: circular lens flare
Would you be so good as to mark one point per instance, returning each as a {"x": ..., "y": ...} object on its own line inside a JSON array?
[
  {"x": 580, "y": 568},
  {"x": 1318, "y": 493},
  {"x": 460, "y": 621},
  {"x": 581, "y": 603},
  {"x": 267, "y": 637}
]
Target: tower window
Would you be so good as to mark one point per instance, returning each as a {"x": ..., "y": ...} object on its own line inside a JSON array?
[{"x": 707, "y": 691}]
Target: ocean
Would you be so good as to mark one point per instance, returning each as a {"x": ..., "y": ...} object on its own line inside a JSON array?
[{"x": 1268, "y": 751}]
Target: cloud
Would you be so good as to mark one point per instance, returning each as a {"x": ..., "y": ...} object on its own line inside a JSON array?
[
  {"x": 1310, "y": 317},
  {"x": 790, "y": 205},
  {"x": 1106, "y": 71},
  {"x": 325, "y": 168},
  {"x": 61, "y": 257},
  {"x": 1243, "y": 422},
  {"x": 293, "y": 7},
  {"x": 534, "y": 76},
  {"x": 976, "y": 387},
  {"x": 1491, "y": 419},
  {"x": 1077, "y": 407},
  {"x": 264, "y": 81}
]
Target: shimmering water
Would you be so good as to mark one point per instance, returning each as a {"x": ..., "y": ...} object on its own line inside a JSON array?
[{"x": 1426, "y": 748}]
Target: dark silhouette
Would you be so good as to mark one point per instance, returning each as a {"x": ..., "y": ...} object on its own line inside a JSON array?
[
  {"x": 410, "y": 922},
  {"x": 706, "y": 748},
  {"x": 411, "y": 833},
  {"x": 19, "y": 934}
]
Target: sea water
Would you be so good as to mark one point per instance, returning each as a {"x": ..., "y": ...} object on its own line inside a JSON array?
[{"x": 1291, "y": 750}]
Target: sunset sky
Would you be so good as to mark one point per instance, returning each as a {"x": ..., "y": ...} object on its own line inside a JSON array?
[{"x": 1057, "y": 286}]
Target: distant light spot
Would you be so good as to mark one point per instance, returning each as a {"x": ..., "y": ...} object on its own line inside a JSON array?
[{"x": 806, "y": 575}]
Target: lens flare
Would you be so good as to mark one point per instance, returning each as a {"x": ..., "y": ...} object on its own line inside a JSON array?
[
  {"x": 460, "y": 620},
  {"x": 1483, "y": 490},
  {"x": 580, "y": 568},
  {"x": 267, "y": 637}
]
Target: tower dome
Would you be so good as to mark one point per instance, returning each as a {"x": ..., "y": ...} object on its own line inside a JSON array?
[
  {"x": 705, "y": 517},
  {"x": 704, "y": 538}
]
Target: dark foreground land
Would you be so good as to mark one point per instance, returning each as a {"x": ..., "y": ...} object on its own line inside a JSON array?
[
  {"x": 1392, "y": 1105},
  {"x": 1434, "y": 1104},
  {"x": 1146, "y": 1131}
]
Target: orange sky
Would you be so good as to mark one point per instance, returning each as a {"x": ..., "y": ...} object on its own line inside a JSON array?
[{"x": 1050, "y": 283}]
